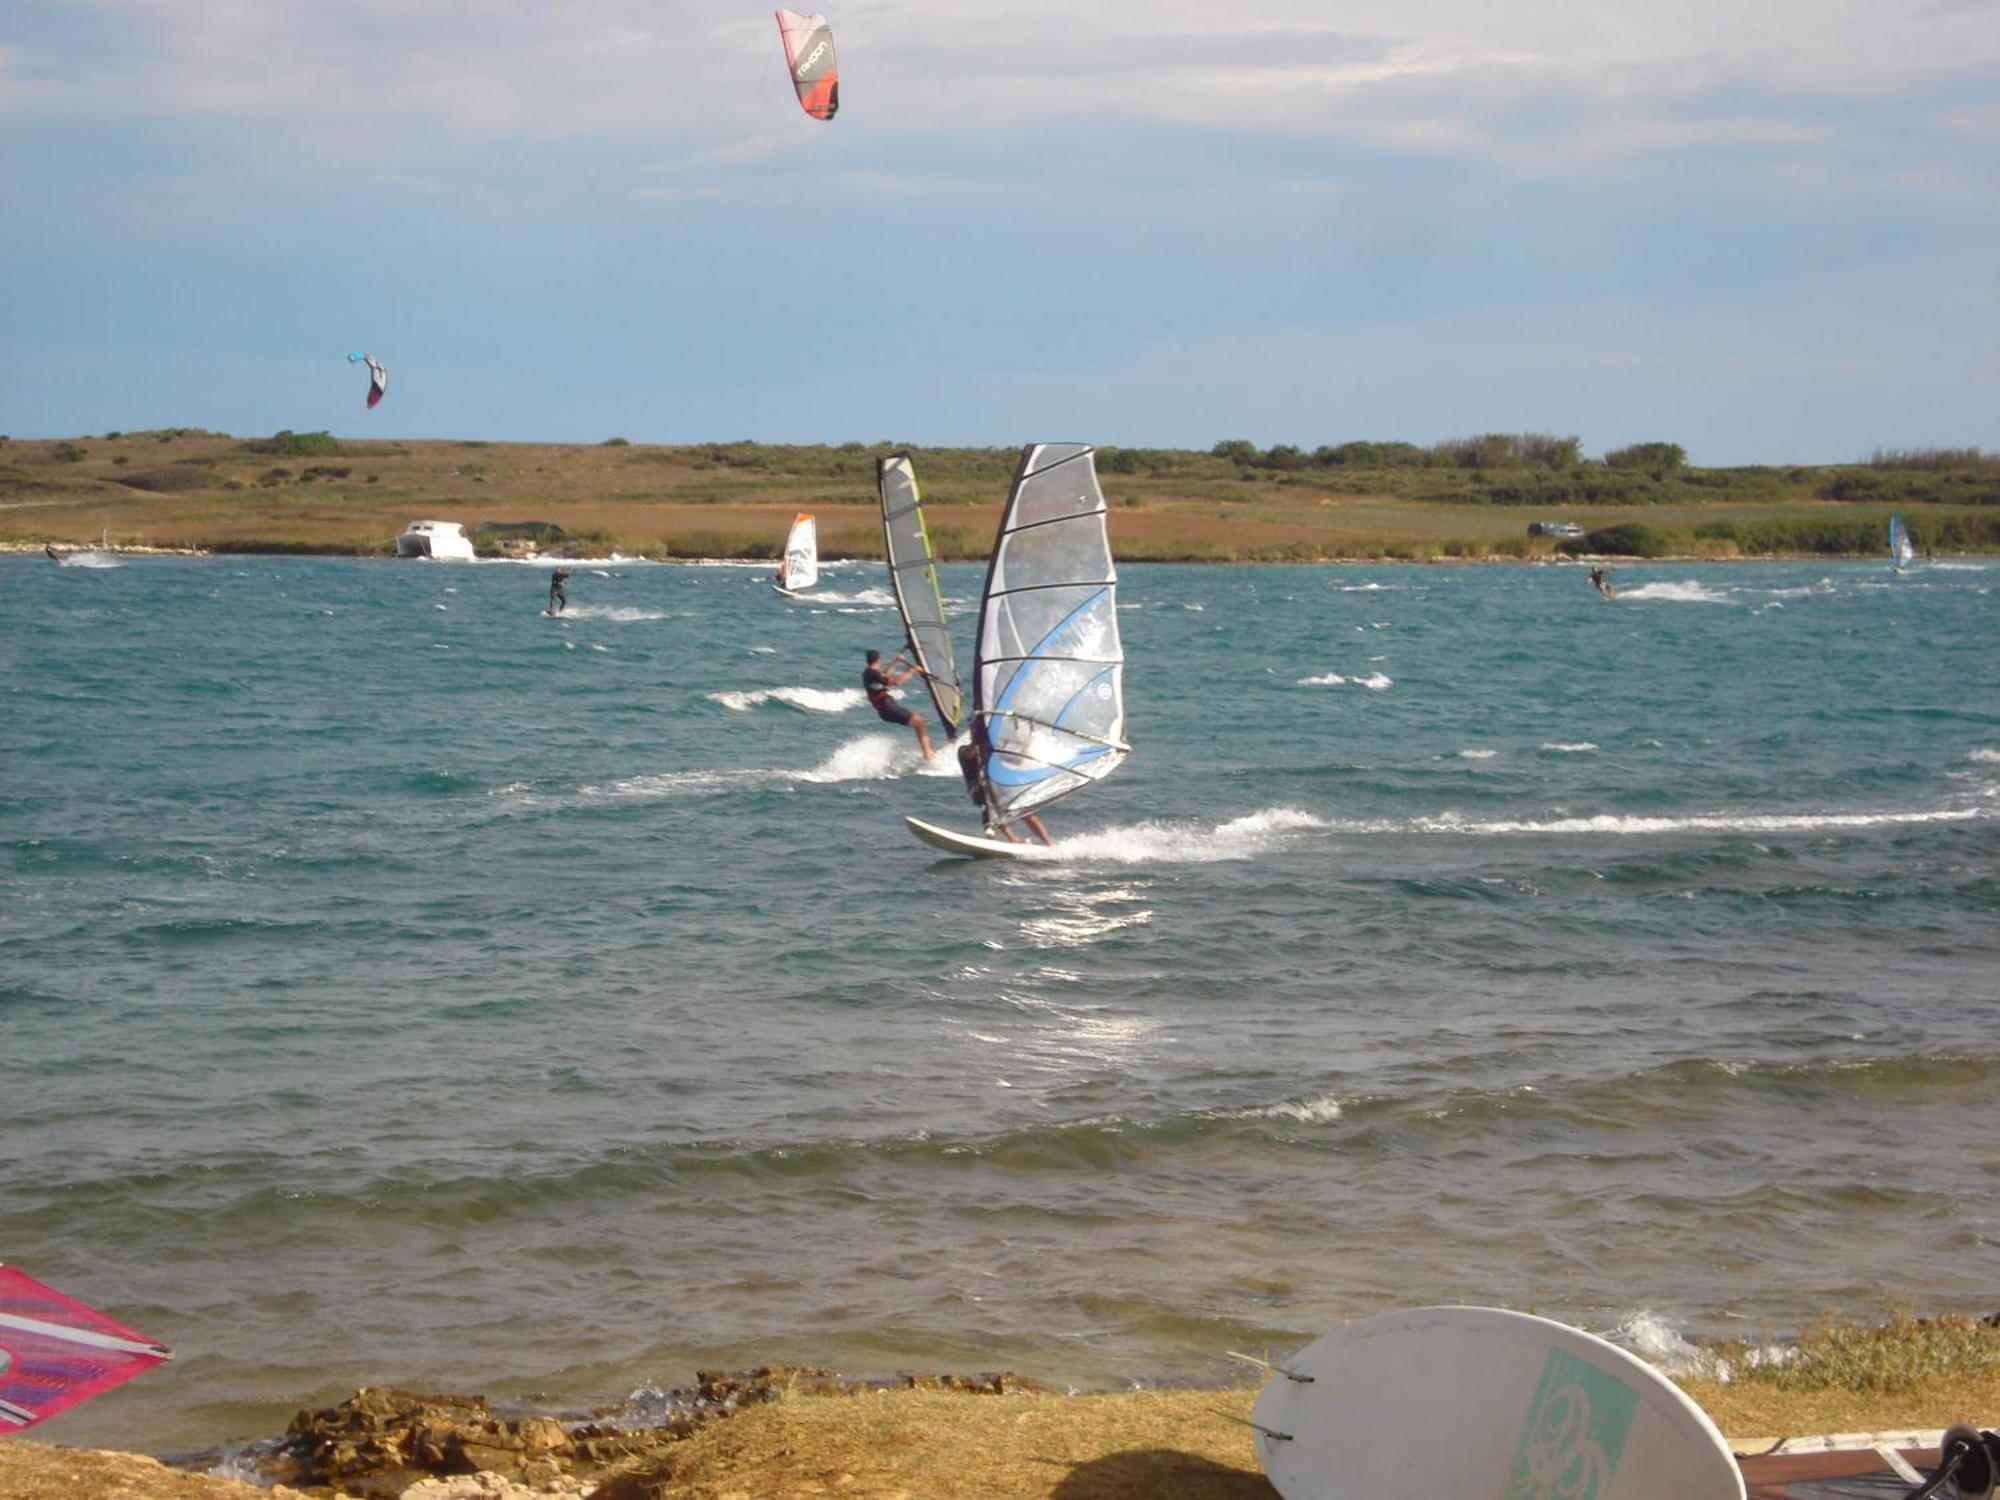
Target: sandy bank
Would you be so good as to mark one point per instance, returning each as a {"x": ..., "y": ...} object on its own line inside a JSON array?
[{"x": 925, "y": 1443}]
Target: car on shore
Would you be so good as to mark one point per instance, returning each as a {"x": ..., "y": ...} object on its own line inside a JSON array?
[{"x": 1554, "y": 528}]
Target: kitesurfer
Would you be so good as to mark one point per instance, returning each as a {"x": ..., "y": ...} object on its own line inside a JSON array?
[
  {"x": 876, "y": 680},
  {"x": 1600, "y": 580},
  {"x": 54, "y": 556},
  {"x": 558, "y": 600},
  {"x": 970, "y": 767}
]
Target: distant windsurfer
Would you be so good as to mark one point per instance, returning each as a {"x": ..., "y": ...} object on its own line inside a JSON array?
[
  {"x": 1600, "y": 579},
  {"x": 876, "y": 680},
  {"x": 558, "y": 599},
  {"x": 971, "y": 767}
]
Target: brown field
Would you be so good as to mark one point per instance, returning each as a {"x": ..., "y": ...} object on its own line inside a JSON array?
[{"x": 204, "y": 491}]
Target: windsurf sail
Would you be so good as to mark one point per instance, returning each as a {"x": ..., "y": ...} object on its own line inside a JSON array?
[
  {"x": 56, "y": 1352},
  {"x": 913, "y": 575},
  {"x": 1900, "y": 546},
  {"x": 809, "y": 54},
  {"x": 800, "y": 568},
  {"x": 378, "y": 378},
  {"x": 1048, "y": 696}
]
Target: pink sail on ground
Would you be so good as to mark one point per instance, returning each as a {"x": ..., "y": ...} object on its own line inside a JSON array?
[{"x": 56, "y": 1352}]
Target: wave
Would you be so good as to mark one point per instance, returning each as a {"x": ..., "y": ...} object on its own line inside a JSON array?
[
  {"x": 869, "y": 598},
  {"x": 1984, "y": 757},
  {"x": 1322, "y": 1110},
  {"x": 811, "y": 700},
  {"x": 1696, "y": 1089},
  {"x": 621, "y": 613},
  {"x": 1477, "y": 754},
  {"x": 871, "y": 757},
  {"x": 1374, "y": 681},
  {"x": 1557, "y": 747},
  {"x": 1688, "y": 592},
  {"x": 91, "y": 560},
  {"x": 1700, "y": 822},
  {"x": 1186, "y": 843}
]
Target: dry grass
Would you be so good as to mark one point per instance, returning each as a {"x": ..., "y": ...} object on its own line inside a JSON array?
[
  {"x": 1849, "y": 1377},
  {"x": 210, "y": 493},
  {"x": 928, "y": 1445}
]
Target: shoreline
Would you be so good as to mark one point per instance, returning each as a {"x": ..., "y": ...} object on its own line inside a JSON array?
[
  {"x": 1614, "y": 560},
  {"x": 803, "y": 1430}
]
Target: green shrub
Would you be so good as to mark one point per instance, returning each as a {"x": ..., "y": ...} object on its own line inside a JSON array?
[
  {"x": 617, "y": 442},
  {"x": 1628, "y": 539},
  {"x": 69, "y": 453},
  {"x": 1654, "y": 458},
  {"x": 286, "y": 443}
]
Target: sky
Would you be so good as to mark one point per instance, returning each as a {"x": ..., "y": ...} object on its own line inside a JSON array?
[{"x": 1765, "y": 229}]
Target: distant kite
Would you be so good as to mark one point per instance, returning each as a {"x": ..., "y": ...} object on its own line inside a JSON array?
[
  {"x": 378, "y": 378},
  {"x": 809, "y": 54}
]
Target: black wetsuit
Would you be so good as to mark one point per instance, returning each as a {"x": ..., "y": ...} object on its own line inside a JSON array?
[
  {"x": 876, "y": 684},
  {"x": 969, "y": 768},
  {"x": 558, "y": 600}
]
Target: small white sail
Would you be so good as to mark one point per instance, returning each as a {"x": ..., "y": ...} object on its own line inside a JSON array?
[
  {"x": 1901, "y": 549},
  {"x": 800, "y": 569}
]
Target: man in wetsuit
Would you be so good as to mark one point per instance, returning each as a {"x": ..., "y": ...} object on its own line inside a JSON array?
[
  {"x": 876, "y": 681},
  {"x": 969, "y": 766},
  {"x": 558, "y": 600},
  {"x": 1600, "y": 580},
  {"x": 54, "y": 556}
]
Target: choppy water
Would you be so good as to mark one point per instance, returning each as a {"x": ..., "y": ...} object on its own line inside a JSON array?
[{"x": 398, "y": 985}]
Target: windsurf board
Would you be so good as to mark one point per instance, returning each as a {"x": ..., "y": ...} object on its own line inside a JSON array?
[
  {"x": 975, "y": 845},
  {"x": 1478, "y": 1403}
]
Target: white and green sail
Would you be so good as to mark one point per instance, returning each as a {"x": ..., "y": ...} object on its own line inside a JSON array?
[
  {"x": 913, "y": 575},
  {"x": 1048, "y": 698}
]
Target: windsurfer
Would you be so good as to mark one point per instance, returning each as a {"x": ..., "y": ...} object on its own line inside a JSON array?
[
  {"x": 558, "y": 599},
  {"x": 970, "y": 767},
  {"x": 876, "y": 680}
]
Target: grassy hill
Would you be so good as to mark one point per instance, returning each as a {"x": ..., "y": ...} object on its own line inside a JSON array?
[{"x": 308, "y": 492}]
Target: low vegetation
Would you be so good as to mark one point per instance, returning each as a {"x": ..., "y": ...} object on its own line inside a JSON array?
[{"x": 1469, "y": 497}]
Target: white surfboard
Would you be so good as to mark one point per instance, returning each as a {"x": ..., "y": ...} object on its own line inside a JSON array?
[
  {"x": 973, "y": 844},
  {"x": 1477, "y": 1403}
]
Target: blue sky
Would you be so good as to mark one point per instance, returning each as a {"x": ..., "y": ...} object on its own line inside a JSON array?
[{"x": 1767, "y": 230}]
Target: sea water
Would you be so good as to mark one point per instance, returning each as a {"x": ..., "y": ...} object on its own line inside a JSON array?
[{"x": 398, "y": 985}]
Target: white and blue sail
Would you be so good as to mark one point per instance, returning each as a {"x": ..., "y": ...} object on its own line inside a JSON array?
[
  {"x": 913, "y": 575},
  {"x": 1901, "y": 551},
  {"x": 1048, "y": 693}
]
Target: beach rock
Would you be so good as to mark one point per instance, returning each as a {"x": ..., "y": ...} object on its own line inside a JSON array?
[
  {"x": 1003, "y": 1383},
  {"x": 495, "y": 1487}
]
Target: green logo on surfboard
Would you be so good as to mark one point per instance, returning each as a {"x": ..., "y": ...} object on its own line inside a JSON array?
[{"x": 1574, "y": 1433}]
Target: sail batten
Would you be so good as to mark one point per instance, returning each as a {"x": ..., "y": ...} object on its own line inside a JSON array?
[
  {"x": 913, "y": 577},
  {"x": 1048, "y": 680}
]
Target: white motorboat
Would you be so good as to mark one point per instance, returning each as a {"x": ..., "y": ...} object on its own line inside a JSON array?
[{"x": 442, "y": 541}]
